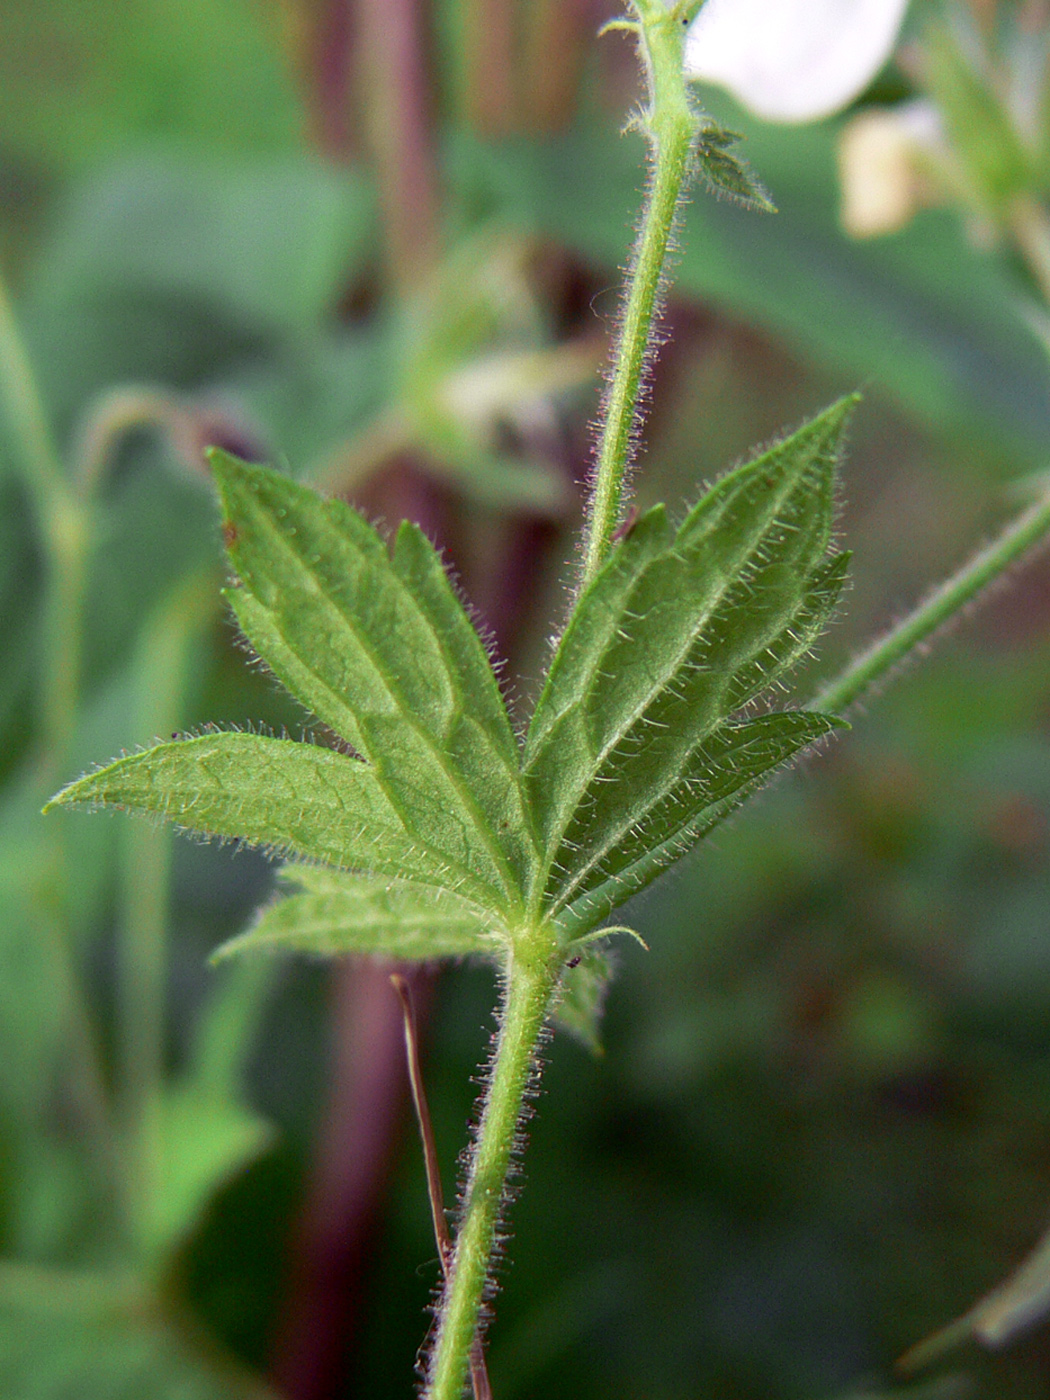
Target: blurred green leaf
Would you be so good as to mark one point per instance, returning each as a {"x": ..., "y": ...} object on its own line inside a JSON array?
[
  {"x": 997, "y": 165},
  {"x": 80, "y": 78},
  {"x": 311, "y": 393},
  {"x": 104, "y": 1337},
  {"x": 269, "y": 244},
  {"x": 203, "y": 1143}
]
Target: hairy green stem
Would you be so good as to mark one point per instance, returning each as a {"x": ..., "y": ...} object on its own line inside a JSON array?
[
  {"x": 900, "y": 642},
  {"x": 530, "y": 984},
  {"x": 670, "y": 125}
]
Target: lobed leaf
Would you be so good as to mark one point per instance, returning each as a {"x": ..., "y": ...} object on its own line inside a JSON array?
[
  {"x": 672, "y": 637},
  {"x": 289, "y": 797},
  {"x": 619, "y": 843},
  {"x": 380, "y": 648},
  {"x": 337, "y": 913}
]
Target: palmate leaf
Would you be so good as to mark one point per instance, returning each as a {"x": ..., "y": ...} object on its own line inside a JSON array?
[
  {"x": 379, "y": 647},
  {"x": 338, "y": 913},
  {"x": 443, "y": 839},
  {"x": 633, "y": 753}
]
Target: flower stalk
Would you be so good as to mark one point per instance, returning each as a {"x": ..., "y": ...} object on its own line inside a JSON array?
[
  {"x": 671, "y": 126},
  {"x": 908, "y": 638}
]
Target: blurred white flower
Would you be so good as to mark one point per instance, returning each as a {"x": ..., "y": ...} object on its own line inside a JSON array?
[
  {"x": 888, "y": 158},
  {"x": 792, "y": 60}
]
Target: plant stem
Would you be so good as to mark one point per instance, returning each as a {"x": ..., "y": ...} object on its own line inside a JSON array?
[
  {"x": 530, "y": 983},
  {"x": 900, "y": 642},
  {"x": 556, "y": 50},
  {"x": 491, "y": 47},
  {"x": 671, "y": 126},
  {"x": 21, "y": 399},
  {"x": 64, "y": 521}
]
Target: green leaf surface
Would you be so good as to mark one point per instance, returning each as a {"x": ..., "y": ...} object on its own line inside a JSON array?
[
  {"x": 294, "y": 798},
  {"x": 336, "y": 914},
  {"x": 674, "y": 635},
  {"x": 379, "y": 647}
]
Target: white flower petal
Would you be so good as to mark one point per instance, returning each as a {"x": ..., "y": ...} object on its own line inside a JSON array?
[{"x": 793, "y": 60}]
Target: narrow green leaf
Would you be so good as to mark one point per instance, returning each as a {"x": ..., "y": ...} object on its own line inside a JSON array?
[
  {"x": 674, "y": 635},
  {"x": 630, "y": 828},
  {"x": 997, "y": 161},
  {"x": 797, "y": 638},
  {"x": 725, "y": 173},
  {"x": 288, "y": 797},
  {"x": 381, "y": 650},
  {"x": 582, "y": 997},
  {"x": 338, "y": 913},
  {"x": 204, "y": 1142}
]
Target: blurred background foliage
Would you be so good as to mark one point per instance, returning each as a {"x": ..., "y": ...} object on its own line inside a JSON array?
[{"x": 377, "y": 243}]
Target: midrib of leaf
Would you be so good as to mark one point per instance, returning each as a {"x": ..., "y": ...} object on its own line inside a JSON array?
[
  {"x": 592, "y": 673},
  {"x": 481, "y": 825}
]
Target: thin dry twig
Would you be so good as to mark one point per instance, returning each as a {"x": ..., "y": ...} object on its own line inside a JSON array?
[{"x": 478, "y": 1373}]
